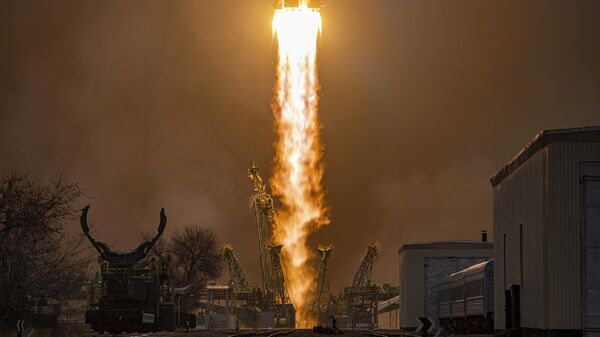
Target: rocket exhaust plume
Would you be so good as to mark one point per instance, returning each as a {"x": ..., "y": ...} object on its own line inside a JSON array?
[{"x": 298, "y": 170}]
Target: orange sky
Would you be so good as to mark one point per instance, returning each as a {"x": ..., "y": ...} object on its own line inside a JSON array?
[{"x": 165, "y": 103}]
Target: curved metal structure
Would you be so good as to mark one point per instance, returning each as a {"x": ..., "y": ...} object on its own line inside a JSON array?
[
  {"x": 122, "y": 257},
  {"x": 133, "y": 295}
]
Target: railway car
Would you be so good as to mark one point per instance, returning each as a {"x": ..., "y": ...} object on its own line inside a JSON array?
[{"x": 466, "y": 300}]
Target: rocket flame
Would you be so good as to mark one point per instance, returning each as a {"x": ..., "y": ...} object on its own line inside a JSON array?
[{"x": 298, "y": 170}]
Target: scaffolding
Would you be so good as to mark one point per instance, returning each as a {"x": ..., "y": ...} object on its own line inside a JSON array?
[
  {"x": 362, "y": 298},
  {"x": 322, "y": 297},
  {"x": 264, "y": 213},
  {"x": 362, "y": 278},
  {"x": 274, "y": 289},
  {"x": 237, "y": 278}
]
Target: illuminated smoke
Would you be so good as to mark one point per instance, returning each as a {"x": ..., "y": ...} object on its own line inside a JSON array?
[{"x": 298, "y": 170}]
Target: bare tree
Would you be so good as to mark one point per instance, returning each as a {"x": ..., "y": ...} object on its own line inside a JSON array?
[
  {"x": 197, "y": 255},
  {"x": 37, "y": 257},
  {"x": 197, "y": 258},
  {"x": 194, "y": 256}
]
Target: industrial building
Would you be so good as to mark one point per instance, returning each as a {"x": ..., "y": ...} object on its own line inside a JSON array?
[
  {"x": 423, "y": 268},
  {"x": 546, "y": 217}
]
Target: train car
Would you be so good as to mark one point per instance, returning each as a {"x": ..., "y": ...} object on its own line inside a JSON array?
[
  {"x": 466, "y": 300},
  {"x": 444, "y": 301}
]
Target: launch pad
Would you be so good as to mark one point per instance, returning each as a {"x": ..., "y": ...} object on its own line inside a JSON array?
[{"x": 239, "y": 304}]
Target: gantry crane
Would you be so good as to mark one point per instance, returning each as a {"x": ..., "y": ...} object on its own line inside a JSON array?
[
  {"x": 280, "y": 292},
  {"x": 323, "y": 293},
  {"x": 264, "y": 213},
  {"x": 363, "y": 275},
  {"x": 237, "y": 278},
  {"x": 243, "y": 298},
  {"x": 277, "y": 297},
  {"x": 285, "y": 313},
  {"x": 363, "y": 296}
]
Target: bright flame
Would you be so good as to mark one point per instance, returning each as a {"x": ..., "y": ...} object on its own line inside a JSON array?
[{"x": 298, "y": 171}]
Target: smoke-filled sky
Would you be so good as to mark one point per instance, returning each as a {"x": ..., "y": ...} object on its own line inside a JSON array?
[{"x": 151, "y": 104}]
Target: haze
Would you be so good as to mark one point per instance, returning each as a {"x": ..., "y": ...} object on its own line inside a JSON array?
[{"x": 151, "y": 104}]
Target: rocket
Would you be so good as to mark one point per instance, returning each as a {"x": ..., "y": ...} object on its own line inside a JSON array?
[{"x": 297, "y": 3}]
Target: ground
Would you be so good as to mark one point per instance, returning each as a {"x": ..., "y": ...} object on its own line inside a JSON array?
[
  {"x": 83, "y": 330},
  {"x": 266, "y": 333}
]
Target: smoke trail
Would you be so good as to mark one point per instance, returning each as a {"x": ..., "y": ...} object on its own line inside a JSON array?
[{"x": 298, "y": 170}]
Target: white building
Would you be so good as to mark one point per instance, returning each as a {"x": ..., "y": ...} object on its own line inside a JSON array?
[
  {"x": 546, "y": 216},
  {"x": 423, "y": 266}
]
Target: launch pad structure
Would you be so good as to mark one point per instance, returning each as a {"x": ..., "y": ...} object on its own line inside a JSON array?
[
  {"x": 274, "y": 287},
  {"x": 361, "y": 299},
  {"x": 269, "y": 305},
  {"x": 254, "y": 306},
  {"x": 322, "y": 297}
]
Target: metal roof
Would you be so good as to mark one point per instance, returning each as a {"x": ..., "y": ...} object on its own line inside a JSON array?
[
  {"x": 388, "y": 305},
  {"x": 588, "y": 134},
  {"x": 446, "y": 245},
  {"x": 474, "y": 268}
]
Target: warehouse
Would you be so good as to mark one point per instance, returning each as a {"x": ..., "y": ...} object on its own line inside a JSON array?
[
  {"x": 424, "y": 267},
  {"x": 546, "y": 217}
]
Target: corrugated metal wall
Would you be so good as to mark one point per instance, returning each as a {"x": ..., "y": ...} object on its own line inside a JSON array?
[
  {"x": 564, "y": 228},
  {"x": 412, "y": 283},
  {"x": 519, "y": 201},
  {"x": 537, "y": 210},
  {"x": 403, "y": 275},
  {"x": 590, "y": 248}
]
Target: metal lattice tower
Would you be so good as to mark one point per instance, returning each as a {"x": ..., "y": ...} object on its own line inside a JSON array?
[
  {"x": 363, "y": 275},
  {"x": 320, "y": 304},
  {"x": 279, "y": 289},
  {"x": 265, "y": 219},
  {"x": 237, "y": 278}
]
